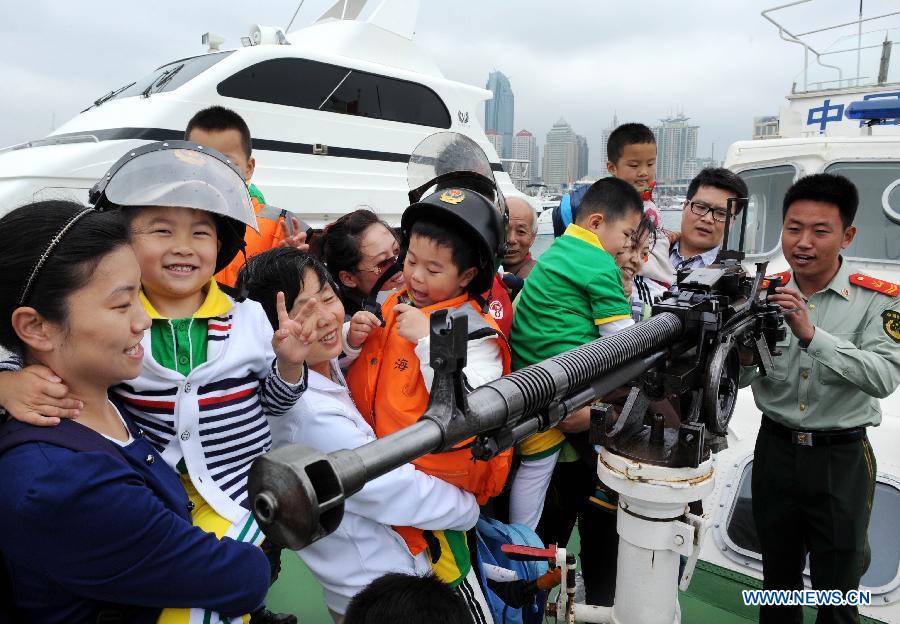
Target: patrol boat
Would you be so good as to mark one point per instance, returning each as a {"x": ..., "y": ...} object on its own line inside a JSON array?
[
  {"x": 335, "y": 109},
  {"x": 824, "y": 127}
]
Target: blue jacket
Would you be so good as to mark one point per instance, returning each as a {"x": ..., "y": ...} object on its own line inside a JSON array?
[{"x": 82, "y": 528}]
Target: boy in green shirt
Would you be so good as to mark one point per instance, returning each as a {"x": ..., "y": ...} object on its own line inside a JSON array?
[{"x": 573, "y": 295}]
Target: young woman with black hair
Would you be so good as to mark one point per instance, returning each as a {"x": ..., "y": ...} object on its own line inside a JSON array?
[
  {"x": 93, "y": 523},
  {"x": 358, "y": 248}
]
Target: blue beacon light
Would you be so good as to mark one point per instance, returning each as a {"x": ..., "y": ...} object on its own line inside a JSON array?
[{"x": 874, "y": 110}]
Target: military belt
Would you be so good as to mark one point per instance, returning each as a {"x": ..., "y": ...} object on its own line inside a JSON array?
[{"x": 813, "y": 438}]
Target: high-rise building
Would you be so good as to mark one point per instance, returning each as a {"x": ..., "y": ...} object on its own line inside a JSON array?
[
  {"x": 765, "y": 127},
  {"x": 496, "y": 140},
  {"x": 693, "y": 166},
  {"x": 581, "y": 166},
  {"x": 560, "y": 165},
  {"x": 604, "y": 139},
  {"x": 499, "y": 111},
  {"x": 676, "y": 142},
  {"x": 524, "y": 149}
]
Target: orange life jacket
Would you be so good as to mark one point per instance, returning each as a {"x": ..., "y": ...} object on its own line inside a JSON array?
[
  {"x": 390, "y": 393},
  {"x": 270, "y": 234}
]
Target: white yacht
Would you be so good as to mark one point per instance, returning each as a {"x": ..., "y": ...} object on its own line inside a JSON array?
[{"x": 335, "y": 109}]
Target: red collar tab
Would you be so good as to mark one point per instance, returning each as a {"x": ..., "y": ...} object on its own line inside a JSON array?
[{"x": 873, "y": 283}]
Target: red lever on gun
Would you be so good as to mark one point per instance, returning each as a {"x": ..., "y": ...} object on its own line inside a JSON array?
[{"x": 529, "y": 553}]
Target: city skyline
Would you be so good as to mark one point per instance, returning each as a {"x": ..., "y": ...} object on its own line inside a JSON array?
[
  {"x": 677, "y": 144},
  {"x": 726, "y": 64}
]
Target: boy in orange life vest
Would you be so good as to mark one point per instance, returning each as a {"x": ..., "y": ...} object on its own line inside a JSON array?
[
  {"x": 224, "y": 130},
  {"x": 391, "y": 378}
]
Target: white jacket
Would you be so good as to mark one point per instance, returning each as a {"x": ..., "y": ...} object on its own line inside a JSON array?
[{"x": 364, "y": 547}]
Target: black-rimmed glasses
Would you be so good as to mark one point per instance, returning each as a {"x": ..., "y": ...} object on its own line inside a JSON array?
[{"x": 701, "y": 209}]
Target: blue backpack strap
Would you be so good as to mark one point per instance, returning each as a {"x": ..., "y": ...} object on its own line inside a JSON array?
[{"x": 67, "y": 434}]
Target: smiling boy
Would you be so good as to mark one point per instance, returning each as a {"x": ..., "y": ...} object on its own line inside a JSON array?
[
  {"x": 212, "y": 368},
  {"x": 451, "y": 244}
]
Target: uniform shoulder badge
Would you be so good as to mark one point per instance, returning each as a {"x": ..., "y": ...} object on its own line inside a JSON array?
[
  {"x": 891, "y": 324},
  {"x": 785, "y": 278},
  {"x": 452, "y": 196},
  {"x": 873, "y": 283}
]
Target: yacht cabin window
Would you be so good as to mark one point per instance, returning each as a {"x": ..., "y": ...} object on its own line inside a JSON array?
[{"x": 303, "y": 83}]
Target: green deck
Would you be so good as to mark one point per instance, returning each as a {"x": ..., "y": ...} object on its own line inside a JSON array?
[{"x": 713, "y": 598}]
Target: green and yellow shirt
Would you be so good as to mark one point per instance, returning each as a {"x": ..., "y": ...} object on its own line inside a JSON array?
[{"x": 575, "y": 287}]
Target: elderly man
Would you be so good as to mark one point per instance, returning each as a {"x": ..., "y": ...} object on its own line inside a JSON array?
[
  {"x": 702, "y": 228},
  {"x": 520, "y": 237}
]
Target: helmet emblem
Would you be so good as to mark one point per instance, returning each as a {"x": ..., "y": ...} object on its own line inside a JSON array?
[
  {"x": 452, "y": 196},
  {"x": 189, "y": 156}
]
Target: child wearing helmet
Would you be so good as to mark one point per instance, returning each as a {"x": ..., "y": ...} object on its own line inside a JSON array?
[
  {"x": 213, "y": 368},
  {"x": 391, "y": 377}
]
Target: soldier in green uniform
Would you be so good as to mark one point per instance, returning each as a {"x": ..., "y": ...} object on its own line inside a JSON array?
[{"x": 814, "y": 470}]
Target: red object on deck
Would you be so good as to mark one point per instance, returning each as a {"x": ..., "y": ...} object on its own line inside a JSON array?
[{"x": 529, "y": 553}]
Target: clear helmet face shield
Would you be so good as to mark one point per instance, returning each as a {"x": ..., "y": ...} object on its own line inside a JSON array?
[
  {"x": 178, "y": 174},
  {"x": 450, "y": 159}
]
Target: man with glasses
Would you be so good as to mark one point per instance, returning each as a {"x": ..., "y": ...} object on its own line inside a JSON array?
[
  {"x": 702, "y": 228},
  {"x": 703, "y": 219}
]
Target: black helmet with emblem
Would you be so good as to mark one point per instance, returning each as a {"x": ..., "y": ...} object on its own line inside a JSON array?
[
  {"x": 451, "y": 180},
  {"x": 475, "y": 218},
  {"x": 180, "y": 174}
]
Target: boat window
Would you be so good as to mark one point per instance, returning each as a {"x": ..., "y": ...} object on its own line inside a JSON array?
[
  {"x": 884, "y": 540},
  {"x": 741, "y": 528},
  {"x": 767, "y": 187},
  {"x": 877, "y": 236},
  {"x": 303, "y": 83},
  {"x": 166, "y": 78}
]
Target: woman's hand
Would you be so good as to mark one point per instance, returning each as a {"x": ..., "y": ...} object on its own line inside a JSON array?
[
  {"x": 294, "y": 337},
  {"x": 361, "y": 325},
  {"x": 35, "y": 395}
]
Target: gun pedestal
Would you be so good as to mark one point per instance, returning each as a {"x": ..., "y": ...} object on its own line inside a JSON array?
[
  {"x": 655, "y": 530},
  {"x": 657, "y": 472}
]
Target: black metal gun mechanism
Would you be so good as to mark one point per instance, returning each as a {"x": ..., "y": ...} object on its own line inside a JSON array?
[
  {"x": 687, "y": 351},
  {"x": 724, "y": 313}
]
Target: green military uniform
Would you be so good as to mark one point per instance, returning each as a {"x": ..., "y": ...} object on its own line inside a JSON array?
[{"x": 814, "y": 470}]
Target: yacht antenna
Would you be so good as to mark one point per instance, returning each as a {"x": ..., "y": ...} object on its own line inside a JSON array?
[
  {"x": 288, "y": 27},
  {"x": 859, "y": 40}
]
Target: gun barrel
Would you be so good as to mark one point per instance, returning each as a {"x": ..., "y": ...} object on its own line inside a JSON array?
[
  {"x": 525, "y": 392},
  {"x": 297, "y": 493}
]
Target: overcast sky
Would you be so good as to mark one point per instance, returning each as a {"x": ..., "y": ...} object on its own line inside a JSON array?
[{"x": 718, "y": 62}]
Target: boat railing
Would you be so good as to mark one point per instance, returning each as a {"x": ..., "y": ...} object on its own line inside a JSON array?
[{"x": 861, "y": 59}]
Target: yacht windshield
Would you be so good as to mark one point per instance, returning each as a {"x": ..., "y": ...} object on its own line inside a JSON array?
[{"x": 166, "y": 78}]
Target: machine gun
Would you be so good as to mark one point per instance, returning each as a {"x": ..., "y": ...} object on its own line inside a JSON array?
[{"x": 687, "y": 349}]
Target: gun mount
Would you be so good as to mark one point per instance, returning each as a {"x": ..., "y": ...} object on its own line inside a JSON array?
[{"x": 688, "y": 349}]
